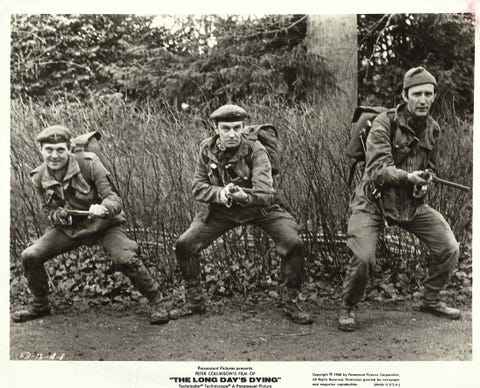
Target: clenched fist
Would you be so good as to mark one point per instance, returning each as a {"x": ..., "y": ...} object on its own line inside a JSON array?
[{"x": 98, "y": 211}]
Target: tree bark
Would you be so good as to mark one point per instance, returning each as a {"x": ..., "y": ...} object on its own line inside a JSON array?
[{"x": 333, "y": 38}]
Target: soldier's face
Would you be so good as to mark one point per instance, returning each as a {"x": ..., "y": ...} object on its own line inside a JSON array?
[
  {"x": 55, "y": 155},
  {"x": 230, "y": 133},
  {"x": 420, "y": 99}
]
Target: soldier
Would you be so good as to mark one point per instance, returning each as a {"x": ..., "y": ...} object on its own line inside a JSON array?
[
  {"x": 79, "y": 181},
  {"x": 233, "y": 175},
  {"x": 402, "y": 143}
]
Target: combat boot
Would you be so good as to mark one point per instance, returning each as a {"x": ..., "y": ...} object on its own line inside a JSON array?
[
  {"x": 292, "y": 308},
  {"x": 159, "y": 308},
  {"x": 34, "y": 311},
  {"x": 346, "y": 319},
  {"x": 440, "y": 309},
  {"x": 194, "y": 302}
]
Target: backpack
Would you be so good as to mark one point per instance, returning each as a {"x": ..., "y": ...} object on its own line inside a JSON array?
[
  {"x": 361, "y": 124},
  {"x": 87, "y": 142},
  {"x": 90, "y": 142},
  {"x": 267, "y": 135}
]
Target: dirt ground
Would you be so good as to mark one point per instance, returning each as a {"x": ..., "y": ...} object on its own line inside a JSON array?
[{"x": 239, "y": 331}]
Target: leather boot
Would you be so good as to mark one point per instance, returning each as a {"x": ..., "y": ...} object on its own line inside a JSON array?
[
  {"x": 194, "y": 301},
  {"x": 346, "y": 319},
  {"x": 34, "y": 311},
  {"x": 159, "y": 307},
  {"x": 440, "y": 309},
  {"x": 292, "y": 308}
]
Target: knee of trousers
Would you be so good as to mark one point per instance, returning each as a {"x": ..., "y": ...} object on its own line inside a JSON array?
[
  {"x": 449, "y": 254},
  {"x": 184, "y": 248},
  {"x": 293, "y": 246},
  {"x": 361, "y": 264},
  {"x": 125, "y": 258},
  {"x": 30, "y": 257},
  {"x": 125, "y": 251},
  {"x": 363, "y": 253}
]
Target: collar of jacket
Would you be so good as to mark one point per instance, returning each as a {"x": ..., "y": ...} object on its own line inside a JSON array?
[
  {"x": 48, "y": 180},
  {"x": 216, "y": 154},
  {"x": 406, "y": 120}
]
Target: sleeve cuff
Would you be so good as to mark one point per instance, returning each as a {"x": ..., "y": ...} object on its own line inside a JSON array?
[{"x": 246, "y": 202}]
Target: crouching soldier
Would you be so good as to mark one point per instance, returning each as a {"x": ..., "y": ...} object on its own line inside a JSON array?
[
  {"x": 401, "y": 144},
  {"x": 233, "y": 175},
  {"x": 66, "y": 184}
]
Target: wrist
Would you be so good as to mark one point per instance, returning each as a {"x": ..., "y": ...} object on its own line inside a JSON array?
[
  {"x": 245, "y": 201},
  {"x": 408, "y": 177}
]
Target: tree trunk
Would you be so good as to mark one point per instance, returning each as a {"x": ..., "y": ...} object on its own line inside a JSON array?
[{"x": 333, "y": 38}]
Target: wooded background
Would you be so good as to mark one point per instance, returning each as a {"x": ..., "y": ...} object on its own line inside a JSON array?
[{"x": 149, "y": 83}]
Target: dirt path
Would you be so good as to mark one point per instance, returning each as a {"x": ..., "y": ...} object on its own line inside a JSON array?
[{"x": 240, "y": 333}]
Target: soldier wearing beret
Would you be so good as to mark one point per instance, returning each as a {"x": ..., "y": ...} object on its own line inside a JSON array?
[
  {"x": 402, "y": 143},
  {"x": 69, "y": 181},
  {"x": 233, "y": 176}
]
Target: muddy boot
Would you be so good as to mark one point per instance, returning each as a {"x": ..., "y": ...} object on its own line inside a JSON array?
[
  {"x": 194, "y": 302},
  {"x": 34, "y": 311},
  {"x": 440, "y": 309},
  {"x": 159, "y": 312},
  {"x": 346, "y": 319},
  {"x": 159, "y": 308},
  {"x": 292, "y": 308}
]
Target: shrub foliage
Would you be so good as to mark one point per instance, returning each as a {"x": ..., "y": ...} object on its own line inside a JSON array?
[
  {"x": 150, "y": 150},
  {"x": 148, "y": 84}
]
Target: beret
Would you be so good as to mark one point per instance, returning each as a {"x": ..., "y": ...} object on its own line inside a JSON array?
[
  {"x": 418, "y": 76},
  {"x": 229, "y": 112},
  {"x": 54, "y": 134}
]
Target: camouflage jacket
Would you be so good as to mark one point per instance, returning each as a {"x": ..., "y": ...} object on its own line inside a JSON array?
[
  {"x": 86, "y": 182},
  {"x": 248, "y": 166},
  {"x": 390, "y": 157}
]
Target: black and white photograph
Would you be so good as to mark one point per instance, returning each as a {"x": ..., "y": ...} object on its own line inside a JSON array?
[{"x": 212, "y": 192}]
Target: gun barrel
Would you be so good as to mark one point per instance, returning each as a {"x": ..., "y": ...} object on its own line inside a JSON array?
[
  {"x": 257, "y": 191},
  {"x": 83, "y": 213},
  {"x": 249, "y": 190},
  {"x": 451, "y": 184}
]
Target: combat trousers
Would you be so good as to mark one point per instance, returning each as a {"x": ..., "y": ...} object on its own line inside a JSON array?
[
  {"x": 427, "y": 224},
  {"x": 276, "y": 222},
  {"x": 122, "y": 250}
]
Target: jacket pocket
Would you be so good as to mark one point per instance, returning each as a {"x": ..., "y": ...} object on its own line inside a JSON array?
[
  {"x": 242, "y": 171},
  {"x": 401, "y": 151},
  {"x": 425, "y": 152},
  {"x": 214, "y": 175}
]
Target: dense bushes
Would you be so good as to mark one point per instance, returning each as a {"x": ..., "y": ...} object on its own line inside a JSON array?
[
  {"x": 150, "y": 149},
  {"x": 391, "y": 44},
  {"x": 80, "y": 56},
  {"x": 207, "y": 60}
]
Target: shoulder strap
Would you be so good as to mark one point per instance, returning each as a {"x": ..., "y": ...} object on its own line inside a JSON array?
[
  {"x": 85, "y": 159},
  {"x": 393, "y": 124},
  {"x": 249, "y": 156}
]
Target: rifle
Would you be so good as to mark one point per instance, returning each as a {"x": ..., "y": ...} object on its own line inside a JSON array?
[
  {"x": 234, "y": 188},
  {"x": 455, "y": 185},
  {"x": 80, "y": 213},
  {"x": 420, "y": 190}
]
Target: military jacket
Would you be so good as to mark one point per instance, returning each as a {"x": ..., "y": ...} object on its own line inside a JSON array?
[
  {"x": 248, "y": 166},
  {"x": 391, "y": 154},
  {"x": 86, "y": 182}
]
